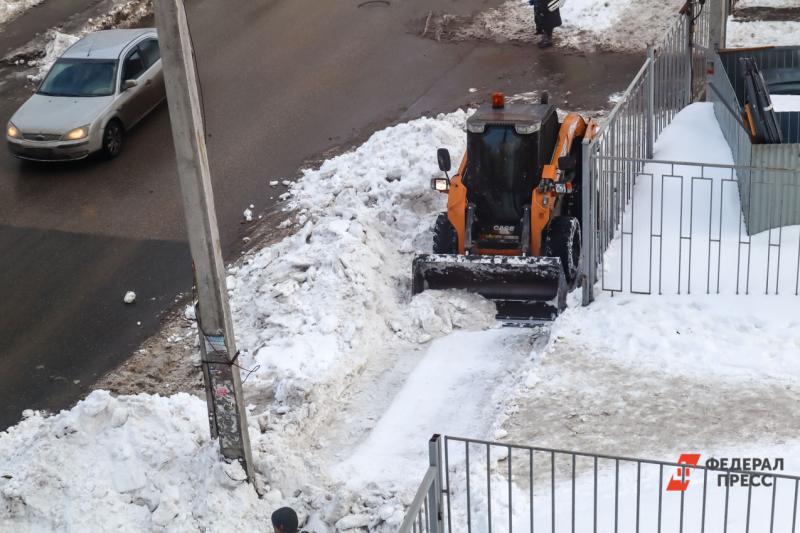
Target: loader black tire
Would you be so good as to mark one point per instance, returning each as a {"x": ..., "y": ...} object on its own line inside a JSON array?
[
  {"x": 445, "y": 239},
  {"x": 562, "y": 239}
]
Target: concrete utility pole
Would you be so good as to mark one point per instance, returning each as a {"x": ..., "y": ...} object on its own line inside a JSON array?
[
  {"x": 226, "y": 413},
  {"x": 718, "y": 22}
]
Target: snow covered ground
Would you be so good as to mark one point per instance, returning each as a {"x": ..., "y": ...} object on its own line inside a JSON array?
[
  {"x": 13, "y": 8},
  {"x": 742, "y": 4},
  {"x": 623, "y": 25},
  {"x": 743, "y": 34}
]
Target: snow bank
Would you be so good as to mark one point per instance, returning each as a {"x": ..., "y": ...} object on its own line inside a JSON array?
[
  {"x": 13, "y": 8},
  {"x": 135, "y": 463},
  {"x": 57, "y": 44},
  {"x": 588, "y": 24},
  {"x": 313, "y": 307},
  {"x": 744, "y": 34}
]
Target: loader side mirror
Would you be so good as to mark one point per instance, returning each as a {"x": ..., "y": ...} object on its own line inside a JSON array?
[
  {"x": 567, "y": 163},
  {"x": 443, "y": 155}
]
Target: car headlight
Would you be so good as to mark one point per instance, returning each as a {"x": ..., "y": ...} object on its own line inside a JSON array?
[
  {"x": 13, "y": 132},
  {"x": 77, "y": 133}
]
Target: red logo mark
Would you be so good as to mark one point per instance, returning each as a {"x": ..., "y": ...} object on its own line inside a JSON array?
[{"x": 680, "y": 481}]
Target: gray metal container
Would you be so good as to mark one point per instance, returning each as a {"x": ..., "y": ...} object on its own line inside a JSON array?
[{"x": 770, "y": 188}]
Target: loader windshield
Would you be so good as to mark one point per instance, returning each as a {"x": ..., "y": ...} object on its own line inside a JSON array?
[{"x": 502, "y": 170}]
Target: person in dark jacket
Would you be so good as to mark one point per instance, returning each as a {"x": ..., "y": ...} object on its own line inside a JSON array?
[
  {"x": 284, "y": 520},
  {"x": 547, "y": 16}
]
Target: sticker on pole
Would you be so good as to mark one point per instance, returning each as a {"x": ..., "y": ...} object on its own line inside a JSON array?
[{"x": 215, "y": 344}]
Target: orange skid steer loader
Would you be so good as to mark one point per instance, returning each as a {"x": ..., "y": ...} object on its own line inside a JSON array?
[{"x": 512, "y": 230}]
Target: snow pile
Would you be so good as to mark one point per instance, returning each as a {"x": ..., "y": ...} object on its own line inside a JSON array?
[
  {"x": 313, "y": 307},
  {"x": 136, "y": 463},
  {"x": 57, "y": 44},
  {"x": 13, "y": 8},
  {"x": 745, "y": 34},
  {"x": 624, "y": 25},
  {"x": 123, "y": 14}
]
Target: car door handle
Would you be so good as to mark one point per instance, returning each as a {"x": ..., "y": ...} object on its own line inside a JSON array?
[{"x": 148, "y": 82}]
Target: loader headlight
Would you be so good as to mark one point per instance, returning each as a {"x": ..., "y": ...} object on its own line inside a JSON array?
[
  {"x": 13, "y": 132},
  {"x": 77, "y": 133},
  {"x": 440, "y": 184}
]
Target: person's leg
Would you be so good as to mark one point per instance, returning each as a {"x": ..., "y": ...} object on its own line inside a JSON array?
[
  {"x": 537, "y": 16},
  {"x": 546, "y": 40}
]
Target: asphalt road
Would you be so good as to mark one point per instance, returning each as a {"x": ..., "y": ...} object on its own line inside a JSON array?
[{"x": 283, "y": 81}]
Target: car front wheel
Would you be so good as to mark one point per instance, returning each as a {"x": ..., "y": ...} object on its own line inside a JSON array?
[{"x": 112, "y": 139}]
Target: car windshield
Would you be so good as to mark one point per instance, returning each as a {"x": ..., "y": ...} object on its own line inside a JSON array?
[{"x": 80, "y": 77}]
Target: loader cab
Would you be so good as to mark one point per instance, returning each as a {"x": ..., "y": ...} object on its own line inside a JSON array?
[{"x": 506, "y": 149}]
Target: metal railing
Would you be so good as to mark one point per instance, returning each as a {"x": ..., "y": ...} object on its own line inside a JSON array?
[
  {"x": 492, "y": 486},
  {"x": 425, "y": 512},
  {"x": 683, "y": 230},
  {"x": 672, "y": 75}
]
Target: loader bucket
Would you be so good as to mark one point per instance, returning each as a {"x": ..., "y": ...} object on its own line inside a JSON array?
[{"x": 523, "y": 288}]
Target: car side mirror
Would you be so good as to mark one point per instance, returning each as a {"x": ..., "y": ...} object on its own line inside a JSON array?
[
  {"x": 567, "y": 163},
  {"x": 443, "y": 155},
  {"x": 129, "y": 84}
]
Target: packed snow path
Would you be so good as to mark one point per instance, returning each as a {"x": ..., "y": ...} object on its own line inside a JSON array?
[{"x": 456, "y": 388}]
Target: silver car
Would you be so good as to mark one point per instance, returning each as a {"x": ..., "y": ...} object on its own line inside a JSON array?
[{"x": 97, "y": 90}]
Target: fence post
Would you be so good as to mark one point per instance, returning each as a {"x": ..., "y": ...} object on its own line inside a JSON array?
[
  {"x": 435, "y": 508},
  {"x": 689, "y": 76},
  {"x": 588, "y": 226},
  {"x": 651, "y": 101}
]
